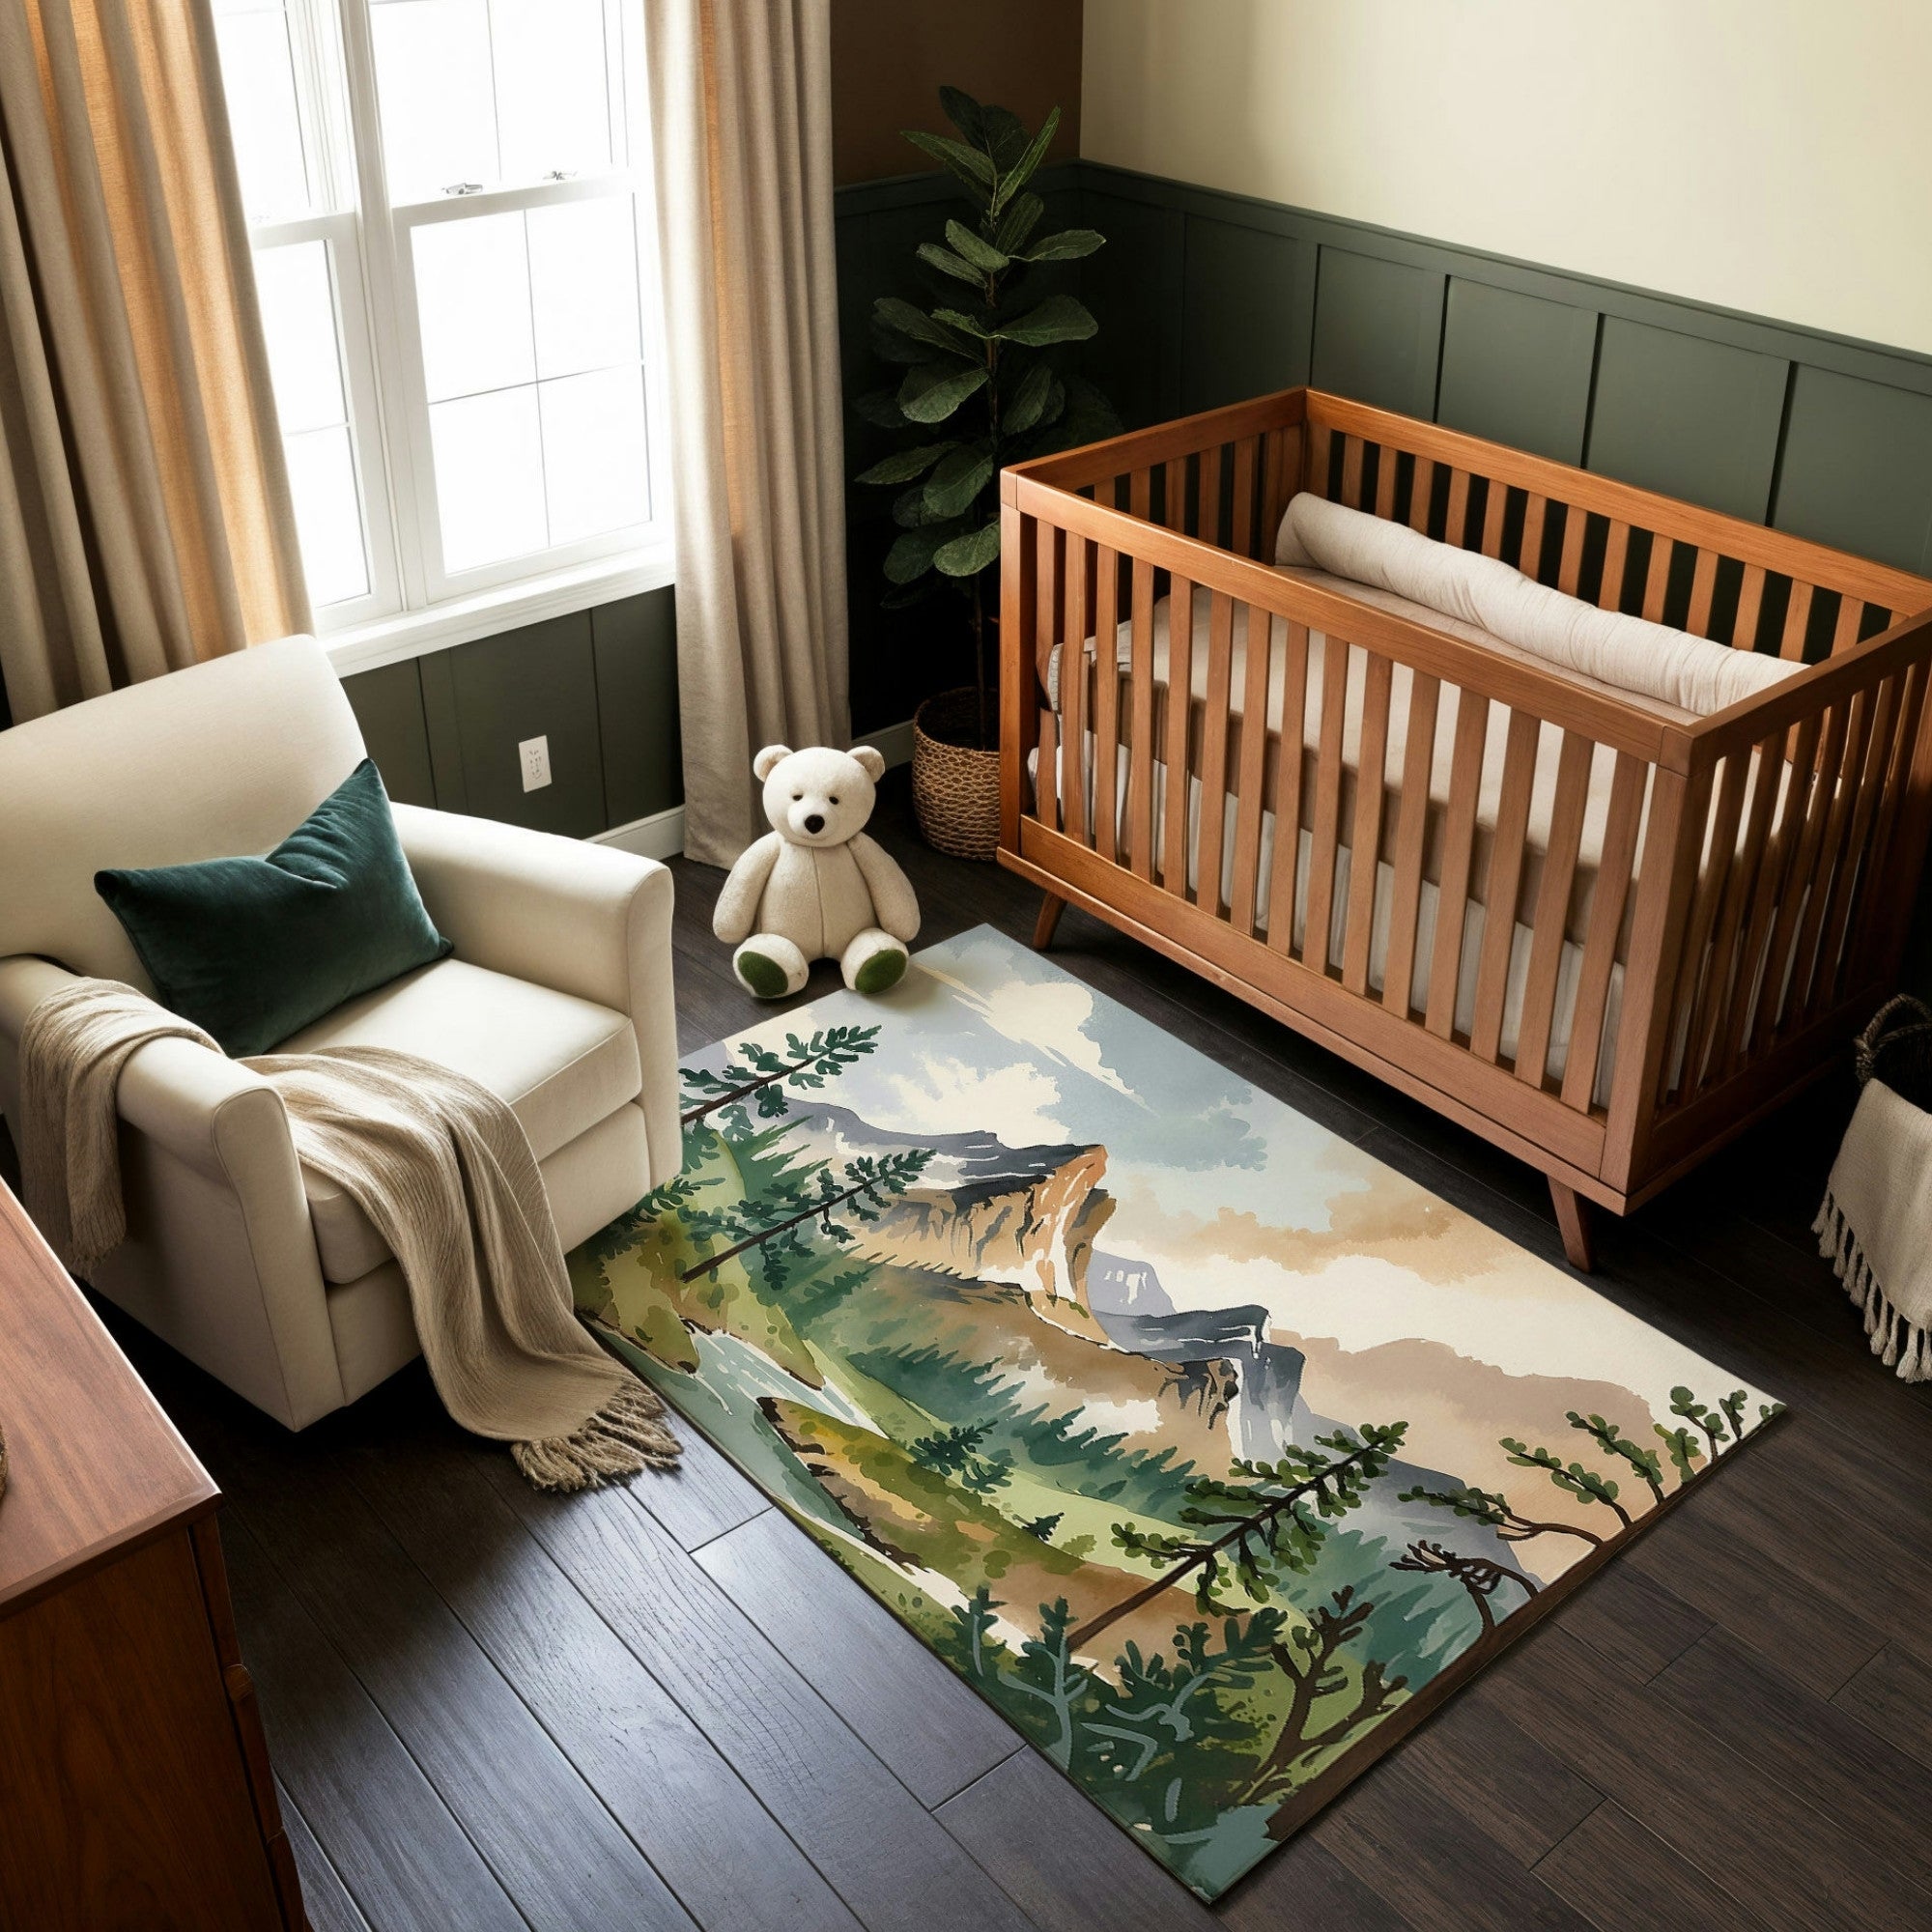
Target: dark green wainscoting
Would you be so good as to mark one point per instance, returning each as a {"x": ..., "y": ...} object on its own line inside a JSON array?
[{"x": 601, "y": 685}]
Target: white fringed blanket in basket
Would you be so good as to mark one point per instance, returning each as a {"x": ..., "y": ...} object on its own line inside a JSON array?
[{"x": 1875, "y": 1223}]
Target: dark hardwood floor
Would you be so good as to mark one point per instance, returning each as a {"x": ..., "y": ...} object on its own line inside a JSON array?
[{"x": 661, "y": 1706}]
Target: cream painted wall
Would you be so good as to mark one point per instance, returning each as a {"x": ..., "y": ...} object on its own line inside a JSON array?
[{"x": 1771, "y": 155}]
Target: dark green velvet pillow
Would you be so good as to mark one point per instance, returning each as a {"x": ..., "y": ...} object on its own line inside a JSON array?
[{"x": 252, "y": 949}]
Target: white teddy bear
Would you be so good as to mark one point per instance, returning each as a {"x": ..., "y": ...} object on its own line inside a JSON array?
[{"x": 815, "y": 887}]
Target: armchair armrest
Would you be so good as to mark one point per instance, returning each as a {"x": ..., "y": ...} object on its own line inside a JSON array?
[
  {"x": 562, "y": 913},
  {"x": 226, "y": 1124}
]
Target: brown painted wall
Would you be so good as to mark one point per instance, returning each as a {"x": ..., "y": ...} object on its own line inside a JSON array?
[{"x": 888, "y": 58}]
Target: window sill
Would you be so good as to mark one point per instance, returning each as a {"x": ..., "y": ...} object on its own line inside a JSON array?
[{"x": 506, "y": 606}]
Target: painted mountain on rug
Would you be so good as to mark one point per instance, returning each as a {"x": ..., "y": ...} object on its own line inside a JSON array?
[{"x": 1207, "y": 1447}]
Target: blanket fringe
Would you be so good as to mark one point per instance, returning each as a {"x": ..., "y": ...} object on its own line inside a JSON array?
[
  {"x": 628, "y": 1434},
  {"x": 1902, "y": 1345}
]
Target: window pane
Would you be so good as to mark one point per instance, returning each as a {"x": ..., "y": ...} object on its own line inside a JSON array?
[
  {"x": 329, "y": 515},
  {"x": 489, "y": 477},
  {"x": 473, "y": 303},
  {"x": 258, "y": 79},
  {"x": 298, "y": 320},
  {"x": 596, "y": 476},
  {"x": 433, "y": 80},
  {"x": 584, "y": 284},
  {"x": 553, "y": 96}
]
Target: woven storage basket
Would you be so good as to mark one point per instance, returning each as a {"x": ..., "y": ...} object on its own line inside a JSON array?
[
  {"x": 956, "y": 789},
  {"x": 1897, "y": 1049}
]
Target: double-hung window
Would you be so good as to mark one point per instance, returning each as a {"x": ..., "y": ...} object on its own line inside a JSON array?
[{"x": 449, "y": 206}]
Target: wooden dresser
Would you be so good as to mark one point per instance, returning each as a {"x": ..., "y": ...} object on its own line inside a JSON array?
[{"x": 134, "y": 1785}]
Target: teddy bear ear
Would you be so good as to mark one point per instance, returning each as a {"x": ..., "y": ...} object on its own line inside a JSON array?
[
  {"x": 870, "y": 760},
  {"x": 768, "y": 761}
]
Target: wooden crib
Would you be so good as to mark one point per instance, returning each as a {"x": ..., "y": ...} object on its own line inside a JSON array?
[{"x": 1747, "y": 929}]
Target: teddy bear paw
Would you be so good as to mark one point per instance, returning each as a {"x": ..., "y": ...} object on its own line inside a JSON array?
[
  {"x": 873, "y": 961},
  {"x": 770, "y": 966}
]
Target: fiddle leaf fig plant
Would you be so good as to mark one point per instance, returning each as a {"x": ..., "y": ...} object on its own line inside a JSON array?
[{"x": 982, "y": 386}]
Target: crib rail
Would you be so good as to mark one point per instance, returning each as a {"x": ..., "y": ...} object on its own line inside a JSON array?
[{"x": 1705, "y": 904}]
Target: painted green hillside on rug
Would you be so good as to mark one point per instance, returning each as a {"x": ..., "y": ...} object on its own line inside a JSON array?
[{"x": 1208, "y": 1449}]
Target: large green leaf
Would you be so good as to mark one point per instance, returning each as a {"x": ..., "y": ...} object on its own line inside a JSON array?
[
  {"x": 909, "y": 511},
  {"x": 965, "y": 113},
  {"x": 889, "y": 346},
  {"x": 1022, "y": 171},
  {"x": 910, "y": 321},
  {"x": 953, "y": 487},
  {"x": 1021, "y": 218},
  {"x": 881, "y": 407},
  {"x": 1068, "y": 246},
  {"x": 906, "y": 464},
  {"x": 964, "y": 324},
  {"x": 1058, "y": 319},
  {"x": 976, "y": 249},
  {"x": 1005, "y": 135},
  {"x": 911, "y": 554},
  {"x": 968, "y": 556},
  {"x": 1028, "y": 403},
  {"x": 974, "y": 169},
  {"x": 950, "y": 263},
  {"x": 932, "y": 392}
]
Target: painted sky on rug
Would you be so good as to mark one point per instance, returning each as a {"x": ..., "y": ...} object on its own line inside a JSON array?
[{"x": 1229, "y": 1194}]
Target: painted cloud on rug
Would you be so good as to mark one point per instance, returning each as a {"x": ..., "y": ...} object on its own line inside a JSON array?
[{"x": 1197, "y": 1439}]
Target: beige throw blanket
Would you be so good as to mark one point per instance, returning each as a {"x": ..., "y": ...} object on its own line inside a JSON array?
[
  {"x": 443, "y": 1169},
  {"x": 1875, "y": 1227}
]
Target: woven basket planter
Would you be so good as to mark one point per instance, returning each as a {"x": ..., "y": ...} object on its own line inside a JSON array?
[{"x": 956, "y": 789}]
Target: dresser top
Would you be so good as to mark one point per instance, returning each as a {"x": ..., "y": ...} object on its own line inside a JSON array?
[{"x": 92, "y": 1464}]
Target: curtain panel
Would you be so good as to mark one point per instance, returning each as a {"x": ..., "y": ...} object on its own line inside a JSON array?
[
  {"x": 145, "y": 518},
  {"x": 742, "y": 131}
]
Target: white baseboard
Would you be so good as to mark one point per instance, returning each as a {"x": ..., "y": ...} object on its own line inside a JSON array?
[{"x": 661, "y": 835}]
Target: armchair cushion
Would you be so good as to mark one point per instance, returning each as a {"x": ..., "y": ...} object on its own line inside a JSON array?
[
  {"x": 562, "y": 1064},
  {"x": 251, "y": 949}
]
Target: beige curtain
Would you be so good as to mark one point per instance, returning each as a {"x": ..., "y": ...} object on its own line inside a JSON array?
[
  {"x": 145, "y": 520},
  {"x": 742, "y": 128}
]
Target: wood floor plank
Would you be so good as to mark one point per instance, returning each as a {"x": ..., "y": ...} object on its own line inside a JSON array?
[
  {"x": 649, "y": 1764},
  {"x": 325, "y": 1899},
  {"x": 1892, "y": 1696},
  {"x": 1305, "y": 1888},
  {"x": 1406, "y": 1841},
  {"x": 553, "y": 1844},
  {"x": 1063, "y": 1859},
  {"x": 403, "y": 1857},
  {"x": 884, "y": 1852},
  {"x": 1619, "y": 1876},
  {"x": 933, "y": 1732},
  {"x": 704, "y": 1498},
  {"x": 1633, "y": 1620}
]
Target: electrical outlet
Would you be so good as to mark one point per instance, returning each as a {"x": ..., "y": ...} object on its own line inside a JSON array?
[{"x": 533, "y": 754}]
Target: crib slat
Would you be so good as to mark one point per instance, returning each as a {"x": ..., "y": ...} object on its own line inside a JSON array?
[
  {"x": 1503, "y": 883},
  {"x": 1458, "y": 507},
  {"x": 1320, "y": 437},
  {"x": 1252, "y": 777},
  {"x": 1385, "y": 470},
  {"x": 1140, "y": 806},
  {"x": 1858, "y": 732},
  {"x": 1703, "y": 588},
  {"x": 1608, "y": 899},
  {"x": 1046, "y": 773},
  {"x": 1720, "y": 847},
  {"x": 1657, "y": 579},
  {"x": 1411, "y": 835},
  {"x": 1552, "y": 906},
  {"x": 1180, "y": 702},
  {"x": 1845, "y": 633},
  {"x": 1854, "y": 865},
  {"x": 1797, "y": 615},
  {"x": 1365, "y": 842},
  {"x": 1493, "y": 512},
  {"x": 1747, "y": 860},
  {"x": 1106, "y": 702},
  {"x": 1570, "y": 565},
  {"x": 1208, "y": 527},
  {"x": 1892, "y": 792},
  {"x": 1616, "y": 559},
  {"x": 1750, "y": 601},
  {"x": 1242, "y": 532},
  {"x": 1073, "y": 679},
  {"x": 1352, "y": 471},
  {"x": 1315, "y": 935},
  {"x": 1214, "y": 752},
  {"x": 1284, "y": 479},
  {"x": 1422, "y": 487},
  {"x": 1287, "y": 790},
  {"x": 1458, "y": 841},
  {"x": 1529, "y": 546},
  {"x": 1175, "y": 515},
  {"x": 1140, "y": 495}
]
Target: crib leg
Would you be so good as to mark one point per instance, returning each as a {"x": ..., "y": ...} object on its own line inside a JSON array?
[
  {"x": 1051, "y": 906},
  {"x": 1573, "y": 1217}
]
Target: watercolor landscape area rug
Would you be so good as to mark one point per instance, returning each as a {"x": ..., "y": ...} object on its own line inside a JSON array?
[{"x": 1207, "y": 1448}]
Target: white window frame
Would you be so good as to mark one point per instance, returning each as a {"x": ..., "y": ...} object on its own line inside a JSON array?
[{"x": 413, "y": 602}]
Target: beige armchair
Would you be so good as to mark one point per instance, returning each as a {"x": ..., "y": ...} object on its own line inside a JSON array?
[{"x": 557, "y": 998}]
